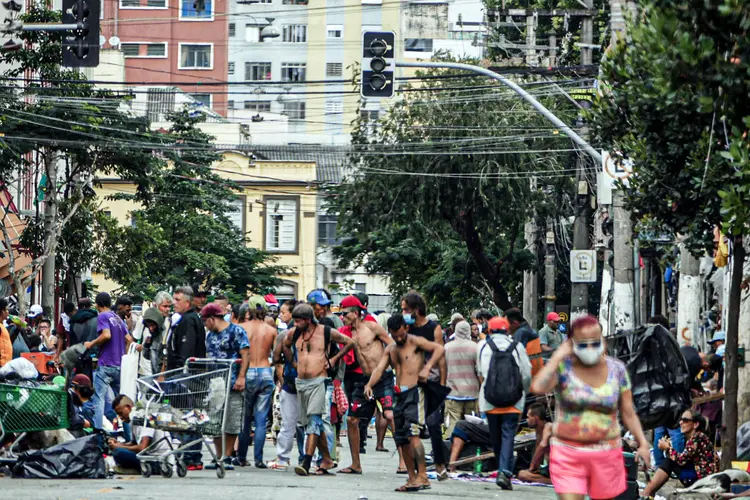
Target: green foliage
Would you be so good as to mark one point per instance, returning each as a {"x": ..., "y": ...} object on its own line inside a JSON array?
[{"x": 440, "y": 192}]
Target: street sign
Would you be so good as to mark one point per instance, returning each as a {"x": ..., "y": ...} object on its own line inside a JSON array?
[
  {"x": 611, "y": 171},
  {"x": 582, "y": 266}
]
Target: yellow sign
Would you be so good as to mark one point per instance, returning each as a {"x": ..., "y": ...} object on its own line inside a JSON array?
[{"x": 563, "y": 317}]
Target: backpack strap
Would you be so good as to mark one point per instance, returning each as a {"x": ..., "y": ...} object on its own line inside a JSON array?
[
  {"x": 492, "y": 345},
  {"x": 327, "y": 336},
  {"x": 512, "y": 347}
]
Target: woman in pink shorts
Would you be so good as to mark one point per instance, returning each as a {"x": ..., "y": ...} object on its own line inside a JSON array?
[{"x": 590, "y": 388}]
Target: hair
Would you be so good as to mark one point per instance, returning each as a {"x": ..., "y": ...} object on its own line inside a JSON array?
[
  {"x": 45, "y": 320},
  {"x": 120, "y": 400},
  {"x": 103, "y": 299},
  {"x": 162, "y": 297},
  {"x": 253, "y": 312},
  {"x": 186, "y": 291},
  {"x": 221, "y": 297},
  {"x": 69, "y": 307},
  {"x": 537, "y": 409},
  {"x": 415, "y": 302},
  {"x": 34, "y": 341},
  {"x": 123, "y": 301},
  {"x": 659, "y": 320},
  {"x": 582, "y": 322},
  {"x": 395, "y": 322},
  {"x": 697, "y": 418},
  {"x": 290, "y": 304},
  {"x": 84, "y": 303},
  {"x": 362, "y": 296},
  {"x": 483, "y": 314},
  {"x": 3, "y": 304},
  {"x": 303, "y": 311},
  {"x": 514, "y": 314},
  {"x": 714, "y": 362},
  {"x": 236, "y": 311}
]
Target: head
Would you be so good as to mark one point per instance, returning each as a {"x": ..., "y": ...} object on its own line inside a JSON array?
[
  {"x": 475, "y": 332},
  {"x": 588, "y": 344},
  {"x": 691, "y": 421},
  {"x": 34, "y": 341},
  {"x": 4, "y": 309},
  {"x": 82, "y": 386},
  {"x": 152, "y": 327},
  {"x": 123, "y": 405},
  {"x": 237, "y": 311},
  {"x": 257, "y": 308},
  {"x": 163, "y": 302},
  {"x": 413, "y": 307},
  {"x": 352, "y": 309},
  {"x": 320, "y": 302},
  {"x": 480, "y": 317},
  {"x": 103, "y": 301},
  {"x": 285, "y": 311},
  {"x": 124, "y": 307},
  {"x": 44, "y": 327},
  {"x": 498, "y": 325},
  {"x": 69, "y": 308},
  {"x": 397, "y": 329},
  {"x": 223, "y": 301},
  {"x": 553, "y": 320},
  {"x": 35, "y": 314},
  {"x": 515, "y": 318},
  {"x": 183, "y": 299},
  {"x": 199, "y": 299},
  {"x": 718, "y": 340},
  {"x": 84, "y": 303},
  {"x": 535, "y": 415},
  {"x": 659, "y": 320},
  {"x": 213, "y": 317},
  {"x": 363, "y": 298},
  {"x": 303, "y": 316},
  {"x": 463, "y": 330}
]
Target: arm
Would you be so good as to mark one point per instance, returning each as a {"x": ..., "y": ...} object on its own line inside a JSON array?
[
  {"x": 630, "y": 419},
  {"x": 348, "y": 343},
  {"x": 687, "y": 456},
  {"x": 134, "y": 447},
  {"x": 443, "y": 365},
  {"x": 239, "y": 384},
  {"x": 542, "y": 449},
  {"x": 103, "y": 338},
  {"x": 378, "y": 372},
  {"x": 278, "y": 349},
  {"x": 546, "y": 379},
  {"x": 287, "y": 347},
  {"x": 381, "y": 334}
]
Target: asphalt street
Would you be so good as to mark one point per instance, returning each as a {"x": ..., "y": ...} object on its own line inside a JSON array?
[{"x": 377, "y": 483}]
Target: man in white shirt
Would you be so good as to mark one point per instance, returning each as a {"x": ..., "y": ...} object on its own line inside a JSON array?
[{"x": 126, "y": 454}]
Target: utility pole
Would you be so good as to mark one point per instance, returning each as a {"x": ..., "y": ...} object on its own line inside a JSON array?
[
  {"x": 550, "y": 270},
  {"x": 50, "y": 218},
  {"x": 688, "y": 298}
]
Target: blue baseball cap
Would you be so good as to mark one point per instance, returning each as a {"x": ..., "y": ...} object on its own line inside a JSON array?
[
  {"x": 318, "y": 297},
  {"x": 718, "y": 336}
]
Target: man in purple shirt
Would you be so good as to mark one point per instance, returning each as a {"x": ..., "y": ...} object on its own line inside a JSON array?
[{"x": 112, "y": 341}]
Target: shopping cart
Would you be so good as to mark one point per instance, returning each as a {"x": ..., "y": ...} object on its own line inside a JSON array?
[
  {"x": 27, "y": 409},
  {"x": 187, "y": 400}
]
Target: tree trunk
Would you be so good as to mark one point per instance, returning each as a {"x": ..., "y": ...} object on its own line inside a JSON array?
[
  {"x": 688, "y": 298},
  {"x": 729, "y": 433}
]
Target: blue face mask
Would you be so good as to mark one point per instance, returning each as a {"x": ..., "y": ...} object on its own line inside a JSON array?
[
  {"x": 409, "y": 319},
  {"x": 228, "y": 317}
]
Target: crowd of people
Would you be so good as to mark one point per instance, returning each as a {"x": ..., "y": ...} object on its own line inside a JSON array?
[{"x": 306, "y": 372}]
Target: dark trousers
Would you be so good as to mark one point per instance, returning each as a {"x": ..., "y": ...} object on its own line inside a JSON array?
[
  {"x": 126, "y": 458},
  {"x": 503, "y": 429},
  {"x": 435, "y": 427}
]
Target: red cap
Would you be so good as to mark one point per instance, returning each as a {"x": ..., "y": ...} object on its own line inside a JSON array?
[
  {"x": 498, "y": 324},
  {"x": 553, "y": 316},
  {"x": 351, "y": 301},
  {"x": 270, "y": 299},
  {"x": 212, "y": 310},
  {"x": 82, "y": 380}
]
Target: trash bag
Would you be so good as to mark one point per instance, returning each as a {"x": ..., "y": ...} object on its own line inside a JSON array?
[
  {"x": 660, "y": 378},
  {"x": 78, "y": 459},
  {"x": 23, "y": 367}
]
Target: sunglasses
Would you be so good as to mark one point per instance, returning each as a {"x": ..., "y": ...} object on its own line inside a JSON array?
[
  {"x": 594, "y": 344},
  {"x": 686, "y": 420}
]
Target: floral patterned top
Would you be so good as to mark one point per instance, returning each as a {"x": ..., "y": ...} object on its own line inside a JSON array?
[
  {"x": 698, "y": 452},
  {"x": 587, "y": 416}
]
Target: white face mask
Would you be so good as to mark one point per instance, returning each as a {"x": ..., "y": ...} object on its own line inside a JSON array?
[{"x": 588, "y": 355}]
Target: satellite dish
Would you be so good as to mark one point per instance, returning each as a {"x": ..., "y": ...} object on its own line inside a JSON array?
[
  {"x": 102, "y": 40},
  {"x": 114, "y": 41}
]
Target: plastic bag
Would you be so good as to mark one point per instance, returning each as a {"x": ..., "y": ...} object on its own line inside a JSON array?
[
  {"x": 129, "y": 372},
  {"x": 23, "y": 367},
  {"x": 78, "y": 459}
]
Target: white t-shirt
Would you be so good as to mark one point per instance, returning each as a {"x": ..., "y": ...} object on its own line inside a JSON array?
[{"x": 139, "y": 432}]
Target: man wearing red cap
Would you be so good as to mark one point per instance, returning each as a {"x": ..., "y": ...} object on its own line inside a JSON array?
[
  {"x": 80, "y": 407},
  {"x": 549, "y": 337}
]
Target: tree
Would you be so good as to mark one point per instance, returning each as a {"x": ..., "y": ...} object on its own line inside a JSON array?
[
  {"x": 442, "y": 185},
  {"x": 675, "y": 102},
  {"x": 182, "y": 234}
]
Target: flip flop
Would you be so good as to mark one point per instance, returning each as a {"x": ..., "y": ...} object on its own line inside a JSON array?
[
  {"x": 402, "y": 471},
  {"x": 350, "y": 471},
  {"x": 425, "y": 487},
  {"x": 323, "y": 472},
  {"x": 407, "y": 489},
  {"x": 301, "y": 471},
  {"x": 442, "y": 476},
  {"x": 384, "y": 450}
]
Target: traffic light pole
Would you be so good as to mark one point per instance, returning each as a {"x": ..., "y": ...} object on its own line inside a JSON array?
[
  {"x": 596, "y": 155},
  {"x": 50, "y": 27}
]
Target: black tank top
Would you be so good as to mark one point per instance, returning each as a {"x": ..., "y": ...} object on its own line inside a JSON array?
[{"x": 427, "y": 331}]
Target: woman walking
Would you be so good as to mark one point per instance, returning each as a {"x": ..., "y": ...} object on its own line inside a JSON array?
[{"x": 590, "y": 388}]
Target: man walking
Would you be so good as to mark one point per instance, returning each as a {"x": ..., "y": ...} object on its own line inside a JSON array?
[
  {"x": 310, "y": 341},
  {"x": 111, "y": 341},
  {"x": 549, "y": 337},
  {"x": 503, "y": 422},
  {"x": 461, "y": 358},
  {"x": 227, "y": 341},
  {"x": 407, "y": 355},
  {"x": 259, "y": 385},
  {"x": 321, "y": 302},
  {"x": 526, "y": 336},
  {"x": 415, "y": 316}
]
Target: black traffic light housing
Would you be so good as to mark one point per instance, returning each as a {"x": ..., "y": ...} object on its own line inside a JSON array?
[
  {"x": 81, "y": 46},
  {"x": 378, "y": 63}
]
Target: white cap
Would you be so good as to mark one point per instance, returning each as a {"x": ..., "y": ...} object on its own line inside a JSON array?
[
  {"x": 456, "y": 317},
  {"x": 35, "y": 311}
]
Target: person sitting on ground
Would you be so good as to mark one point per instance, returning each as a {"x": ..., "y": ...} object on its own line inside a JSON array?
[
  {"x": 80, "y": 406},
  {"x": 536, "y": 419},
  {"x": 471, "y": 432},
  {"x": 126, "y": 454},
  {"x": 697, "y": 461}
]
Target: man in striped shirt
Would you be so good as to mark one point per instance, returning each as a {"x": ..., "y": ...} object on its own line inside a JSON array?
[{"x": 461, "y": 356}]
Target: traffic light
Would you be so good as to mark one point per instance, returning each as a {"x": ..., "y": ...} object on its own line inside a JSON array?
[
  {"x": 378, "y": 63},
  {"x": 81, "y": 45}
]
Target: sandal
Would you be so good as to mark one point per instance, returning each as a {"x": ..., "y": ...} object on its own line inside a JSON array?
[
  {"x": 407, "y": 488},
  {"x": 323, "y": 472},
  {"x": 442, "y": 476},
  {"x": 350, "y": 471},
  {"x": 382, "y": 449},
  {"x": 277, "y": 465},
  {"x": 402, "y": 471}
]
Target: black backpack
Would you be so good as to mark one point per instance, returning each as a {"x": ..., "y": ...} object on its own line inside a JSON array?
[
  {"x": 504, "y": 386},
  {"x": 331, "y": 351}
]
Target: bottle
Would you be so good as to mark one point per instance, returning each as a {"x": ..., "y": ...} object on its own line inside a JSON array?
[
  {"x": 478, "y": 463},
  {"x": 164, "y": 415}
]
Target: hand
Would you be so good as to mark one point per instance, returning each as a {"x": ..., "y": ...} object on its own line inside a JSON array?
[
  {"x": 423, "y": 375},
  {"x": 564, "y": 351},
  {"x": 644, "y": 452},
  {"x": 138, "y": 347},
  {"x": 87, "y": 345},
  {"x": 664, "y": 444},
  {"x": 239, "y": 384},
  {"x": 368, "y": 391},
  {"x": 86, "y": 424}
]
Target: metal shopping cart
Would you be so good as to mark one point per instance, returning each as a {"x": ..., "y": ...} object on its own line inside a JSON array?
[
  {"x": 28, "y": 409},
  {"x": 190, "y": 400}
]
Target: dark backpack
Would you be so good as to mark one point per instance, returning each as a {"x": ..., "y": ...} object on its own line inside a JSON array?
[
  {"x": 504, "y": 386},
  {"x": 331, "y": 351}
]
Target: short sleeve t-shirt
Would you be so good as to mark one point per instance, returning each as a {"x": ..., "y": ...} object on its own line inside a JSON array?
[
  {"x": 588, "y": 415},
  {"x": 111, "y": 352},
  {"x": 140, "y": 432},
  {"x": 227, "y": 344}
]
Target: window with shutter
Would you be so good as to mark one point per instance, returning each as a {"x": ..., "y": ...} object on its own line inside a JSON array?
[
  {"x": 236, "y": 214},
  {"x": 281, "y": 225}
]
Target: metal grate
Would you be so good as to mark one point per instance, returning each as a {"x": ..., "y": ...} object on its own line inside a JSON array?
[{"x": 28, "y": 409}]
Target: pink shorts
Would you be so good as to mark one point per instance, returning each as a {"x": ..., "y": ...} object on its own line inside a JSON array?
[{"x": 597, "y": 473}]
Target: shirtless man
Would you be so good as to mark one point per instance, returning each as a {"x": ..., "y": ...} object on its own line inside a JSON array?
[
  {"x": 407, "y": 357},
  {"x": 312, "y": 363},
  {"x": 259, "y": 386},
  {"x": 370, "y": 343}
]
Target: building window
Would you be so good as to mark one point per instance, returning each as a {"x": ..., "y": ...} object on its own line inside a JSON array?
[
  {"x": 153, "y": 50},
  {"x": 197, "y": 9},
  {"x": 334, "y": 107},
  {"x": 334, "y": 69},
  {"x": 196, "y": 56},
  {"x": 202, "y": 98},
  {"x": 230, "y": 104},
  {"x": 294, "y": 33},
  {"x": 257, "y": 71},
  {"x": 236, "y": 213},
  {"x": 327, "y": 225},
  {"x": 418, "y": 45},
  {"x": 230, "y": 70},
  {"x": 160, "y": 102},
  {"x": 295, "y": 110},
  {"x": 143, "y": 4},
  {"x": 334, "y": 31},
  {"x": 369, "y": 115},
  {"x": 259, "y": 106},
  {"x": 281, "y": 225},
  {"x": 293, "y": 72},
  {"x": 361, "y": 287},
  {"x": 232, "y": 29}
]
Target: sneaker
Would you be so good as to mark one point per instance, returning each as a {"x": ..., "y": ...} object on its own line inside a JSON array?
[
  {"x": 362, "y": 450},
  {"x": 277, "y": 465},
  {"x": 195, "y": 467},
  {"x": 260, "y": 465},
  {"x": 210, "y": 466},
  {"x": 239, "y": 463},
  {"x": 125, "y": 471},
  {"x": 228, "y": 464},
  {"x": 503, "y": 481}
]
